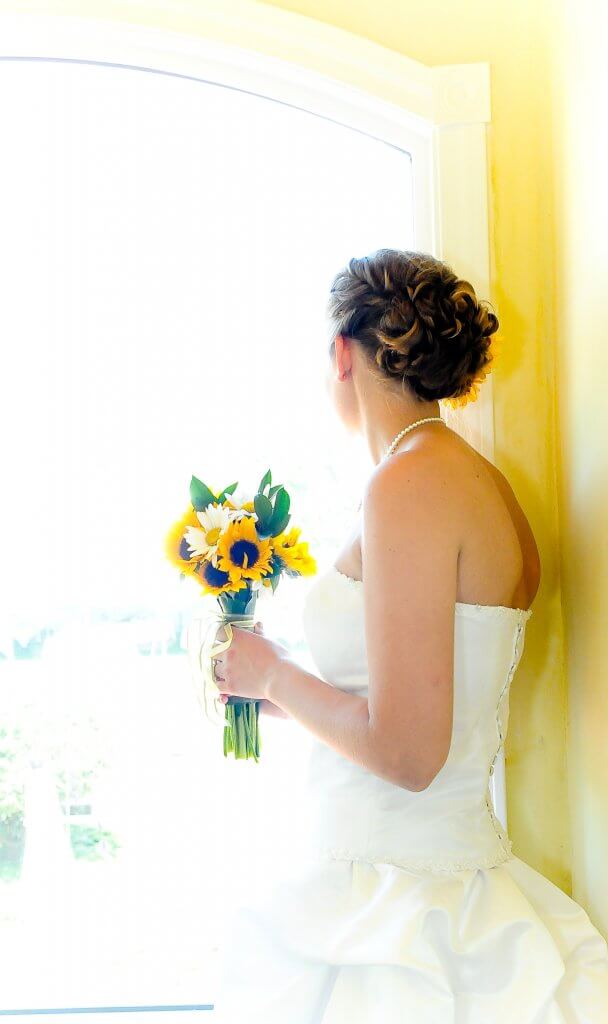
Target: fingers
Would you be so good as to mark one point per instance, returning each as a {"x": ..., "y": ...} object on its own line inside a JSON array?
[{"x": 219, "y": 666}]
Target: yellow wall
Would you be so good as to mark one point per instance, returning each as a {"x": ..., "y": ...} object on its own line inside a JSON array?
[
  {"x": 545, "y": 199},
  {"x": 579, "y": 75}
]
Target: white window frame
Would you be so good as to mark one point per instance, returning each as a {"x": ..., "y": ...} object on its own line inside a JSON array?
[{"x": 439, "y": 114}]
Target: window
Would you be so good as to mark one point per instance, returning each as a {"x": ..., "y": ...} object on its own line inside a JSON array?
[{"x": 168, "y": 250}]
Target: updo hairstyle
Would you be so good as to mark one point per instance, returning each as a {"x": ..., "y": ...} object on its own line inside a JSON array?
[{"x": 416, "y": 320}]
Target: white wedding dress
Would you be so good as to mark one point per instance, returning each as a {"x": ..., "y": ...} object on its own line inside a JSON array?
[{"x": 410, "y": 907}]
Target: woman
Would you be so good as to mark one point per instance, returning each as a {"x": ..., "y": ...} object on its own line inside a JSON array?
[{"x": 411, "y": 905}]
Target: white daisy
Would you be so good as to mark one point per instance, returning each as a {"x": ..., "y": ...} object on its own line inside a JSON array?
[
  {"x": 241, "y": 497},
  {"x": 238, "y": 496},
  {"x": 202, "y": 540},
  {"x": 238, "y": 513}
]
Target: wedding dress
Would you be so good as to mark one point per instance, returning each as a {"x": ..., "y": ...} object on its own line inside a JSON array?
[{"x": 409, "y": 907}]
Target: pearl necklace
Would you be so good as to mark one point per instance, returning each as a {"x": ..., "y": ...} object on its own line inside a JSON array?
[{"x": 396, "y": 440}]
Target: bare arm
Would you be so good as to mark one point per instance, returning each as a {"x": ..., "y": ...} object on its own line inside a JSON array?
[
  {"x": 268, "y": 708},
  {"x": 338, "y": 718},
  {"x": 409, "y": 547},
  {"x": 401, "y": 731}
]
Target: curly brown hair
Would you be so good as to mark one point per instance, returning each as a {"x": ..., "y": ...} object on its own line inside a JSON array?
[{"x": 417, "y": 320}]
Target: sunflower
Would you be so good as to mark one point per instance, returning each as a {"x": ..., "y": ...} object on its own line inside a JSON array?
[
  {"x": 176, "y": 547},
  {"x": 241, "y": 553},
  {"x": 205, "y": 570},
  {"x": 294, "y": 553},
  {"x": 216, "y": 580}
]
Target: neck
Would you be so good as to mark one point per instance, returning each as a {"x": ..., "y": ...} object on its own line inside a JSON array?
[{"x": 383, "y": 416}]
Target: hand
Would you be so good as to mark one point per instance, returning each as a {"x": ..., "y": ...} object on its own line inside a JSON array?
[{"x": 246, "y": 668}]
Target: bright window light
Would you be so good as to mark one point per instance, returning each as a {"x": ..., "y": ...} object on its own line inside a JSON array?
[{"x": 168, "y": 248}]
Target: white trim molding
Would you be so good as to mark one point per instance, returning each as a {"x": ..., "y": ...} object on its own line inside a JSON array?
[
  {"x": 438, "y": 114},
  {"x": 248, "y": 36}
]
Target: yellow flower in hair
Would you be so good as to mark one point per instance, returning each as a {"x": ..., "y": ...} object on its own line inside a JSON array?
[
  {"x": 471, "y": 395},
  {"x": 241, "y": 553},
  {"x": 293, "y": 553}
]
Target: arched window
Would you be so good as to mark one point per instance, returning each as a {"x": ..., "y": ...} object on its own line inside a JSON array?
[{"x": 174, "y": 207}]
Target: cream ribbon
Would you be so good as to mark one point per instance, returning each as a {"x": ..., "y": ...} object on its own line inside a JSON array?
[
  {"x": 219, "y": 648},
  {"x": 203, "y": 649}
]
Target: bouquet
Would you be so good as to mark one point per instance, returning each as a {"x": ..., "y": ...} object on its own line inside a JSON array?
[{"x": 233, "y": 549}]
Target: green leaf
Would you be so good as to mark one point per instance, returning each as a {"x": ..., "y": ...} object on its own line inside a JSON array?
[
  {"x": 282, "y": 503},
  {"x": 266, "y": 479},
  {"x": 279, "y": 526},
  {"x": 263, "y": 510},
  {"x": 273, "y": 490},
  {"x": 280, "y": 516},
  {"x": 227, "y": 490},
  {"x": 200, "y": 495}
]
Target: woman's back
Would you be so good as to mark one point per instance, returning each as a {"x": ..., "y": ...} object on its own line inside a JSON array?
[{"x": 498, "y": 560}]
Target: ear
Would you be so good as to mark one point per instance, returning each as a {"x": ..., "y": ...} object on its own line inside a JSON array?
[{"x": 343, "y": 356}]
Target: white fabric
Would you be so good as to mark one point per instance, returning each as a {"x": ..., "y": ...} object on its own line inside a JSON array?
[{"x": 410, "y": 906}]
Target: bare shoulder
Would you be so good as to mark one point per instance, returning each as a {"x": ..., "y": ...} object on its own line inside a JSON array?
[
  {"x": 412, "y": 475},
  {"x": 469, "y": 507},
  {"x": 418, "y": 474},
  {"x": 410, "y": 498},
  {"x": 525, "y": 533}
]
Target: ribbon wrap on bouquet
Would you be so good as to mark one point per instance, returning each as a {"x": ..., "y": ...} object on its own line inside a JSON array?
[{"x": 240, "y": 715}]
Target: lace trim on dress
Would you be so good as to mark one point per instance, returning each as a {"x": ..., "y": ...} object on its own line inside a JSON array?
[
  {"x": 491, "y": 610},
  {"x": 504, "y": 839},
  {"x": 425, "y": 864}
]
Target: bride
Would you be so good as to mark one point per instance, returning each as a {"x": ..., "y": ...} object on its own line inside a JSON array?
[{"x": 409, "y": 903}]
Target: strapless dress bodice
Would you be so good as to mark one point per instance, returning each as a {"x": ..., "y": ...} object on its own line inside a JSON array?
[{"x": 451, "y": 825}]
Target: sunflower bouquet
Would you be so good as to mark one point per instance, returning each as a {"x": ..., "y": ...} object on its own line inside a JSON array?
[{"x": 233, "y": 549}]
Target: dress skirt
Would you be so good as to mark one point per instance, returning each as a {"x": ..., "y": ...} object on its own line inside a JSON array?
[{"x": 357, "y": 942}]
